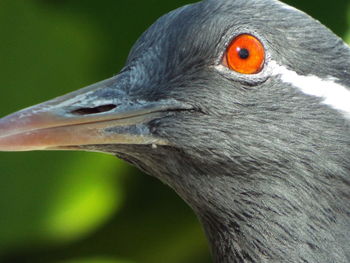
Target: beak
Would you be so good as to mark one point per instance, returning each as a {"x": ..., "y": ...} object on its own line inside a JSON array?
[{"x": 100, "y": 114}]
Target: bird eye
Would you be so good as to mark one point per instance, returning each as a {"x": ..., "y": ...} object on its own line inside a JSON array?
[{"x": 245, "y": 54}]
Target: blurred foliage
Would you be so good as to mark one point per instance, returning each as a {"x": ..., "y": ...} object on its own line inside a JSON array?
[{"x": 84, "y": 207}]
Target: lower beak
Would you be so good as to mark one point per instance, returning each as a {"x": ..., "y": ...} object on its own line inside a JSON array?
[{"x": 97, "y": 115}]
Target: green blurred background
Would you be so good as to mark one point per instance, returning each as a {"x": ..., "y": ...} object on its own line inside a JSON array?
[{"x": 85, "y": 207}]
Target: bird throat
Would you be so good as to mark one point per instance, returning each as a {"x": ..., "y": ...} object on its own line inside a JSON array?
[{"x": 255, "y": 215}]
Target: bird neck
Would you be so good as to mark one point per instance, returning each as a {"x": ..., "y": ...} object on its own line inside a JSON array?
[
  {"x": 270, "y": 218},
  {"x": 290, "y": 211}
]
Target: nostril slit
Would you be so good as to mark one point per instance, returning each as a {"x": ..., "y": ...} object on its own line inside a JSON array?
[{"x": 95, "y": 110}]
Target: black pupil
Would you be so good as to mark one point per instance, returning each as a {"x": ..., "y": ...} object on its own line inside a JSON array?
[{"x": 243, "y": 53}]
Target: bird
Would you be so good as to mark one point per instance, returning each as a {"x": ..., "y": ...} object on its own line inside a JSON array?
[{"x": 240, "y": 106}]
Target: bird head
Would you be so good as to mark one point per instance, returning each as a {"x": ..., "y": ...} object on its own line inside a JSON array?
[{"x": 225, "y": 101}]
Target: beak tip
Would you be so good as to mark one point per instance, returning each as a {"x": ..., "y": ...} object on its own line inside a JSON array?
[{"x": 11, "y": 124}]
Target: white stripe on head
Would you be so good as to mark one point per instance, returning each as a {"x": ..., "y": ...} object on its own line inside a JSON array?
[{"x": 332, "y": 93}]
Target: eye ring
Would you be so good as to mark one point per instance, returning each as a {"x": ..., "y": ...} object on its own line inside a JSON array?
[{"x": 245, "y": 55}]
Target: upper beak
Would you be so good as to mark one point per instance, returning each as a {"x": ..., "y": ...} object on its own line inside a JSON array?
[{"x": 102, "y": 113}]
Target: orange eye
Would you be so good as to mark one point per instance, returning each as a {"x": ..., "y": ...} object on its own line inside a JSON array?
[{"x": 246, "y": 55}]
